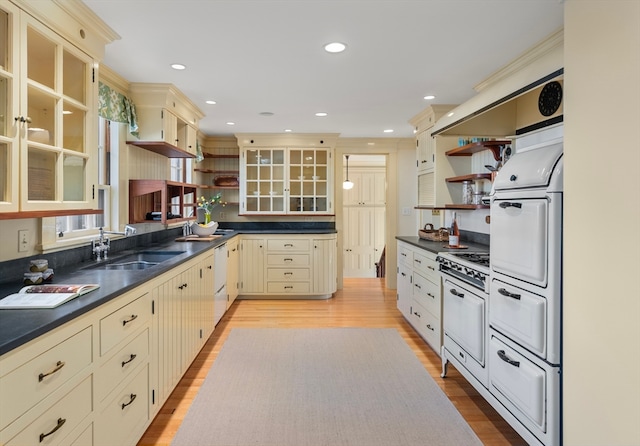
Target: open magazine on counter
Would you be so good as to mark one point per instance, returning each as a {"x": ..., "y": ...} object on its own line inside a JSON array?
[{"x": 45, "y": 296}]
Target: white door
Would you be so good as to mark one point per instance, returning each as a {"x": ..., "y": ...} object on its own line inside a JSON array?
[{"x": 359, "y": 251}]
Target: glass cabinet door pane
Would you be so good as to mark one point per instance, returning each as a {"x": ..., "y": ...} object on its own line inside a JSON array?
[
  {"x": 41, "y": 57},
  {"x": 73, "y": 126},
  {"x": 73, "y": 77},
  {"x": 5, "y": 173},
  {"x": 41, "y": 109},
  {"x": 73, "y": 175},
  {"x": 253, "y": 157},
  {"x": 41, "y": 174},
  {"x": 278, "y": 157},
  {"x": 4, "y": 106},
  {"x": 4, "y": 40}
]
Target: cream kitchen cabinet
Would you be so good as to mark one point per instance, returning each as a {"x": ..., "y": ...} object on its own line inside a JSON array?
[
  {"x": 48, "y": 102},
  {"x": 286, "y": 175},
  {"x": 291, "y": 265},
  {"x": 420, "y": 292},
  {"x": 423, "y": 123},
  {"x": 167, "y": 120},
  {"x": 233, "y": 270}
]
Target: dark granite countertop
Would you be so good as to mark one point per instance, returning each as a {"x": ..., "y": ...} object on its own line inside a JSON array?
[
  {"x": 18, "y": 327},
  {"x": 436, "y": 247}
]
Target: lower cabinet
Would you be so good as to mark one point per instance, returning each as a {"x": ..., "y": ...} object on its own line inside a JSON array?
[
  {"x": 233, "y": 270},
  {"x": 292, "y": 265},
  {"x": 102, "y": 377},
  {"x": 419, "y": 292}
]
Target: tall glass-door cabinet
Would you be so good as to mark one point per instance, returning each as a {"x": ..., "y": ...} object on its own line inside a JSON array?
[
  {"x": 286, "y": 181},
  {"x": 47, "y": 117}
]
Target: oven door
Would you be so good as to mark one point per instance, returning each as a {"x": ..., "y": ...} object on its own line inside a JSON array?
[
  {"x": 519, "y": 234},
  {"x": 464, "y": 318}
]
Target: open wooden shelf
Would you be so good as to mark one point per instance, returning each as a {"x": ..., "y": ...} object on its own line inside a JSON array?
[
  {"x": 469, "y": 177},
  {"x": 494, "y": 145},
  {"x": 162, "y": 148},
  {"x": 156, "y": 196},
  {"x": 212, "y": 155}
]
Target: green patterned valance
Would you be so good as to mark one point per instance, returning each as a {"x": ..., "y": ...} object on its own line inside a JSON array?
[{"x": 117, "y": 107}]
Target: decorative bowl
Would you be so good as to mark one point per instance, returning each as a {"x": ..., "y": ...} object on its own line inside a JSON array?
[{"x": 202, "y": 230}]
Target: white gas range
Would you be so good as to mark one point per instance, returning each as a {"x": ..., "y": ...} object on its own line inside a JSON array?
[{"x": 465, "y": 277}]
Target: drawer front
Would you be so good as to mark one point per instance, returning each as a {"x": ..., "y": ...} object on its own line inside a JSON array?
[
  {"x": 284, "y": 274},
  {"x": 298, "y": 245},
  {"x": 427, "y": 325},
  {"x": 124, "y": 414},
  {"x": 516, "y": 380},
  {"x": 36, "y": 379},
  {"x": 426, "y": 265},
  {"x": 405, "y": 255},
  {"x": 85, "y": 438},
  {"x": 119, "y": 324},
  {"x": 427, "y": 293},
  {"x": 65, "y": 414},
  {"x": 288, "y": 287},
  {"x": 520, "y": 315},
  {"x": 288, "y": 259},
  {"x": 118, "y": 367}
]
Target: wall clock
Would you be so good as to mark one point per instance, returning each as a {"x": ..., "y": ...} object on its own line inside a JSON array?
[{"x": 550, "y": 98}]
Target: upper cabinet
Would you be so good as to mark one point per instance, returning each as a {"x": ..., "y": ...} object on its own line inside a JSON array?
[
  {"x": 423, "y": 122},
  {"x": 48, "y": 116},
  {"x": 167, "y": 120},
  {"x": 287, "y": 174}
]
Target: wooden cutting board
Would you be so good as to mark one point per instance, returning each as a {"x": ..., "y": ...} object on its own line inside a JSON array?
[{"x": 196, "y": 238}]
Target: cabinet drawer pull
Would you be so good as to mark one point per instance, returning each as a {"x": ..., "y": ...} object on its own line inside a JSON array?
[
  {"x": 132, "y": 398},
  {"x": 430, "y": 327},
  {"x": 288, "y": 245},
  {"x": 288, "y": 260},
  {"x": 431, "y": 295},
  {"x": 42, "y": 376},
  {"x": 133, "y": 318},
  {"x": 431, "y": 268},
  {"x": 288, "y": 273},
  {"x": 417, "y": 286},
  {"x": 131, "y": 358},
  {"x": 417, "y": 261},
  {"x": 508, "y": 204},
  {"x": 61, "y": 421},
  {"x": 403, "y": 254},
  {"x": 508, "y": 294},
  {"x": 288, "y": 287},
  {"x": 417, "y": 314},
  {"x": 508, "y": 360},
  {"x": 456, "y": 293}
]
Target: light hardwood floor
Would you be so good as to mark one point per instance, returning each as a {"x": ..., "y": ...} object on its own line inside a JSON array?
[{"x": 361, "y": 303}]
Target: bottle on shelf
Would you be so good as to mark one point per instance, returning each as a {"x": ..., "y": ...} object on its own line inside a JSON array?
[{"x": 454, "y": 232}]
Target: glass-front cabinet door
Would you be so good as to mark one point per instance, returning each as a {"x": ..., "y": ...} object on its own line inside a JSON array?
[
  {"x": 55, "y": 103},
  {"x": 285, "y": 181},
  {"x": 9, "y": 69}
]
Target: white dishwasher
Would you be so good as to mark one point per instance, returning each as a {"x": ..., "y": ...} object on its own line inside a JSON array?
[{"x": 219, "y": 282}]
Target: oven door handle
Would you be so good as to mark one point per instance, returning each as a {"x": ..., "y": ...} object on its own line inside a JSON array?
[
  {"x": 506, "y": 359},
  {"x": 456, "y": 293},
  {"x": 508, "y": 204},
  {"x": 508, "y": 294}
]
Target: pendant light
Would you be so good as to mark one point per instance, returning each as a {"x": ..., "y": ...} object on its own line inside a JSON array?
[{"x": 347, "y": 184}]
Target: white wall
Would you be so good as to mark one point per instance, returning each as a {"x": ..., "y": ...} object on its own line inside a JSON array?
[{"x": 602, "y": 262}]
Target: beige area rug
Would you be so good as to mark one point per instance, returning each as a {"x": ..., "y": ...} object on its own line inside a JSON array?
[{"x": 327, "y": 386}]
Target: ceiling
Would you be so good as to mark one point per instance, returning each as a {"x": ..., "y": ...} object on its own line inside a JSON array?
[{"x": 266, "y": 56}]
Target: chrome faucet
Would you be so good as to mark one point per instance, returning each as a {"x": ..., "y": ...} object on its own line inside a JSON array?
[{"x": 101, "y": 245}]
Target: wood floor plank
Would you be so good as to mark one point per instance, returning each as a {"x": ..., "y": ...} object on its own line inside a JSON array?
[{"x": 361, "y": 303}]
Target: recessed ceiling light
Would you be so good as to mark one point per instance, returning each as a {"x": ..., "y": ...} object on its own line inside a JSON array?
[
  {"x": 335, "y": 47},
  {"x": 231, "y": 123},
  {"x": 429, "y": 97},
  {"x": 178, "y": 66},
  {"x": 211, "y": 102},
  {"x": 288, "y": 130},
  {"x": 388, "y": 131},
  {"x": 321, "y": 114}
]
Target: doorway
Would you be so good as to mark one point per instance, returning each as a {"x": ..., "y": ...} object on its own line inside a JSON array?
[{"x": 364, "y": 214}]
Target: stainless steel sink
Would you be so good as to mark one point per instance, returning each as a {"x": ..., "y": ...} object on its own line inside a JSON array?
[{"x": 136, "y": 261}]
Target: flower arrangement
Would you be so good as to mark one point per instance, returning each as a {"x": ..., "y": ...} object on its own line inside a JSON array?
[{"x": 208, "y": 204}]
